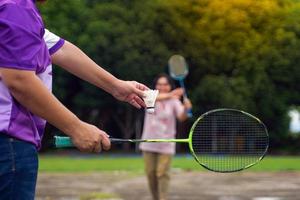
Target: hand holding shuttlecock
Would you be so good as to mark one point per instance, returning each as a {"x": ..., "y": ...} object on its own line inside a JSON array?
[{"x": 149, "y": 99}]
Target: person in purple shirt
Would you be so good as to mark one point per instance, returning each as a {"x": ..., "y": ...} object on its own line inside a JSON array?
[{"x": 26, "y": 101}]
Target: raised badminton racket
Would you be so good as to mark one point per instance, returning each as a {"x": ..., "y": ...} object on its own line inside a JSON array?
[
  {"x": 178, "y": 70},
  {"x": 221, "y": 140}
]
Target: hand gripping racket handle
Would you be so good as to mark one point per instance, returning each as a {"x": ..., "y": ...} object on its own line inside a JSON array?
[
  {"x": 189, "y": 112},
  {"x": 66, "y": 142}
]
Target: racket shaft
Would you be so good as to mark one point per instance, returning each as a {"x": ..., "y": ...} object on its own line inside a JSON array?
[{"x": 64, "y": 142}]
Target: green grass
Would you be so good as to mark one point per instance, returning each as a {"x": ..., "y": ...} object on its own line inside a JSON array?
[
  {"x": 81, "y": 164},
  {"x": 135, "y": 164}
]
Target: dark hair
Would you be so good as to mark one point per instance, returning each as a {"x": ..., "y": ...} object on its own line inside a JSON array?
[{"x": 164, "y": 75}]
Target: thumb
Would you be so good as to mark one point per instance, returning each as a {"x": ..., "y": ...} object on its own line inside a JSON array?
[{"x": 139, "y": 92}]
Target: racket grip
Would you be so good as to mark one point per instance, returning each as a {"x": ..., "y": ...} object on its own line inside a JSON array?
[
  {"x": 63, "y": 142},
  {"x": 189, "y": 113},
  {"x": 66, "y": 142}
]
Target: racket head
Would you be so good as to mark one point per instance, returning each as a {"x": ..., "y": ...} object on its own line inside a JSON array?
[
  {"x": 178, "y": 68},
  {"x": 228, "y": 140}
]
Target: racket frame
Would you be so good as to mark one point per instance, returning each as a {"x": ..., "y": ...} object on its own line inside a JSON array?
[{"x": 226, "y": 109}]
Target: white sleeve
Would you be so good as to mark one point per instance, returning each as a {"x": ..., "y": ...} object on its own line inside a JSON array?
[{"x": 53, "y": 41}]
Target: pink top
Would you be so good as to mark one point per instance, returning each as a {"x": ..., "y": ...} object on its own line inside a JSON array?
[{"x": 161, "y": 125}]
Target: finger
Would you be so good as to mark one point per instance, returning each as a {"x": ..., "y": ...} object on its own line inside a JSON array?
[
  {"x": 139, "y": 89},
  {"x": 140, "y": 101},
  {"x": 105, "y": 143},
  {"x": 138, "y": 85},
  {"x": 187, "y": 100},
  {"x": 84, "y": 147},
  {"x": 139, "y": 92},
  {"x": 176, "y": 97},
  {"x": 132, "y": 100},
  {"x": 142, "y": 86},
  {"x": 87, "y": 149},
  {"x": 135, "y": 104},
  {"x": 97, "y": 147},
  {"x": 106, "y": 135}
]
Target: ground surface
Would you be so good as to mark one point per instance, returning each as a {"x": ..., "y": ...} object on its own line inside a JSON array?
[{"x": 184, "y": 186}]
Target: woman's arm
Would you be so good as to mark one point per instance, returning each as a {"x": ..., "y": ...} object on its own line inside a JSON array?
[
  {"x": 187, "y": 105},
  {"x": 176, "y": 94}
]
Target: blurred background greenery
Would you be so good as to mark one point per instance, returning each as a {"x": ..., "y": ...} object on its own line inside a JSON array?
[{"x": 242, "y": 54}]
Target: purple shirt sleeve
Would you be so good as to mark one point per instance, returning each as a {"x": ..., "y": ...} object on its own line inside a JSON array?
[
  {"x": 21, "y": 39},
  {"x": 57, "y": 46},
  {"x": 54, "y": 42}
]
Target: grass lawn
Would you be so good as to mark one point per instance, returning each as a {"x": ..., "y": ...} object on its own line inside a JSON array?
[{"x": 134, "y": 163}]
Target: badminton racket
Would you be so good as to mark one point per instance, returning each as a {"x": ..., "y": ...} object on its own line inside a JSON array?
[
  {"x": 178, "y": 70},
  {"x": 221, "y": 140}
]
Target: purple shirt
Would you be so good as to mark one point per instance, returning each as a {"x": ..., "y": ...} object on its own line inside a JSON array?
[{"x": 23, "y": 47}]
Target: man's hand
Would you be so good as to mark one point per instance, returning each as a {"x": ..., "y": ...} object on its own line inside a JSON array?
[
  {"x": 130, "y": 92},
  {"x": 89, "y": 138}
]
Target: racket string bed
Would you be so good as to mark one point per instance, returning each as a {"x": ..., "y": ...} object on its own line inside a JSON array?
[{"x": 228, "y": 141}]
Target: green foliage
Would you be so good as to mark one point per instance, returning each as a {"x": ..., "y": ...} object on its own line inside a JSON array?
[{"x": 242, "y": 54}]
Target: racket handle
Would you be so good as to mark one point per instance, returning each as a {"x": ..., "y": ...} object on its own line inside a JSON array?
[
  {"x": 189, "y": 113},
  {"x": 66, "y": 142},
  {"x": 63, "y": 142}
]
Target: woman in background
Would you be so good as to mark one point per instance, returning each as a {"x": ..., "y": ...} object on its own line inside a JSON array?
[{"x": 162, "y": 124}]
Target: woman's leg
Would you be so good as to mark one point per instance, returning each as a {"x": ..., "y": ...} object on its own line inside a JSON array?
[
  {"x": 150, "y": 160},
  {"x": 163, "y": 175}
]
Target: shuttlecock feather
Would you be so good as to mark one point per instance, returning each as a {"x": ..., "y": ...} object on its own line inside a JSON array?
[{"x": 149, "y": 99}]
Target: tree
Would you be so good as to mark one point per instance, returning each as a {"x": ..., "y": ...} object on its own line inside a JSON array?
[
  {"x": 238, "y": 51},
  {"x": 242, "y": 54}
]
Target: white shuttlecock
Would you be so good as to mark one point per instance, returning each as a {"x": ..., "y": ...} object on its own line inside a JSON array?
[{"x": 149, "y": 99}]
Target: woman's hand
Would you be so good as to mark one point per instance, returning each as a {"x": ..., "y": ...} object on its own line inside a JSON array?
[
  {"x": 187, "y": 104},
  {"x": 177, "y": 93}
]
